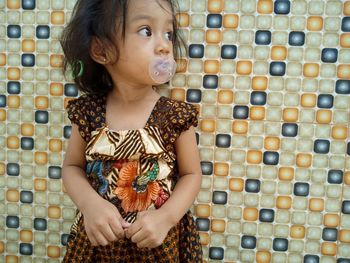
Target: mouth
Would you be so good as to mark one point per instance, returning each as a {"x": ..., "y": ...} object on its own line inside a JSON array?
[{"x": 161, "y": 70}]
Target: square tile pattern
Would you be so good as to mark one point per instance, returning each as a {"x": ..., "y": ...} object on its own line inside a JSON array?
[{"x": 272, "y": 82}]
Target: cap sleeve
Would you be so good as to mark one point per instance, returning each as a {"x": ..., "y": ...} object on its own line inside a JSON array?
[
  {"x": 184, "y": 116},
  {"x": 78, "y": 114}
]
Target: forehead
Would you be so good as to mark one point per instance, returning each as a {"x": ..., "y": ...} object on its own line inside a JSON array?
[{"x": 151, "y": 9}]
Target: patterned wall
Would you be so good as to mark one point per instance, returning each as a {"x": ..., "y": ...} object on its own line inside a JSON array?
[{"x": 271, "y": 79}]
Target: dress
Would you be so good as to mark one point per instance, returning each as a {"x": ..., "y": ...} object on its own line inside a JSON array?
[{"x": 135, "y": 170}]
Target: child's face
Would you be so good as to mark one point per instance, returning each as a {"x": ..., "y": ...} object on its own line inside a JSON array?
[{"x": 148, "y": 34}]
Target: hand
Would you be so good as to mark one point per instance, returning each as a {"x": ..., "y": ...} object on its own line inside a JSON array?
[
  {"x": 103, "y": 223},
  {"x": 150, "y": 229}
]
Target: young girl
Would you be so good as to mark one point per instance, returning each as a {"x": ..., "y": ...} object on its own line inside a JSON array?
[{"x": 132, "y": 165}]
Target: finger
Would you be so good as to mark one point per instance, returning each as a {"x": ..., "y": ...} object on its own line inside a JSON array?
[
  {"x": 108, "y": 233},
  {"x": 100, "y": 239},
  {"x": 124, "y": 224},
  {"x": 144, "y": 243},
  {"x": 135, "y": 227},
  {"x": 139, "y": 236},
  {"x": 117, "y": 229},
  {"x": 92, "y": 239}
]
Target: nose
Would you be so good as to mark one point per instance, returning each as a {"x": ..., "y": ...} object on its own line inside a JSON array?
[{"x": 163, "y": 45}]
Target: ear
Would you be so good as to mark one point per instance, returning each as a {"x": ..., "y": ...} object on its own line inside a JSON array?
[{"x": 97, "y": 51}]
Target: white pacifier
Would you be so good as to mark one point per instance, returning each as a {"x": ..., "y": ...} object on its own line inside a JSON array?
[{"x": 161, "y": 70}]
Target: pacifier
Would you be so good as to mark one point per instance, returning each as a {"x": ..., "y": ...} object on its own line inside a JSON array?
[{"x": 161, "y": 70}]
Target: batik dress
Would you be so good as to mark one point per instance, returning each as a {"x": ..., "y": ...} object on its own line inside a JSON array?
[{"x": 135, "y": 170}]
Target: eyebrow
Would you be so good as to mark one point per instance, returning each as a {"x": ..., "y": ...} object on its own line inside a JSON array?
[{"x": 147, "y": 17}]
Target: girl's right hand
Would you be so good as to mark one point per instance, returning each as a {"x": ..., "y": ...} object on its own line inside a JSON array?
[{"x": 103, "y": 222}]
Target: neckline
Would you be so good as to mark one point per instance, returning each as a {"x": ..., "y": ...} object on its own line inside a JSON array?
[{"x": 104, "y": 119}]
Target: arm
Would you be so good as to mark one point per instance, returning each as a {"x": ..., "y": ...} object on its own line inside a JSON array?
[
  {"x": 152, "y": 226},
  {"x": 103, "y": 223}
]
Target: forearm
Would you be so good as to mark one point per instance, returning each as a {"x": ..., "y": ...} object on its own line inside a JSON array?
[
  {"x": 182, "y": 197},
  {"x": 77, "y": 186}
]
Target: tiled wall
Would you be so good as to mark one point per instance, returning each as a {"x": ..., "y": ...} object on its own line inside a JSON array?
[{"x": 271, "y": 79}]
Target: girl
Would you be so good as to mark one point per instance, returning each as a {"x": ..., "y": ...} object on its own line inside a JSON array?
[{"x": 132, "y": 165}]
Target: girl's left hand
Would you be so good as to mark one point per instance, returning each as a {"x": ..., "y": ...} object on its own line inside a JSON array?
[{"x": 150, "y": 229}]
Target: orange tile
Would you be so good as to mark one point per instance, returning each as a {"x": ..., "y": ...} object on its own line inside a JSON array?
[
  {"x": 286, "y": 173},
  {"x": 178, "y": 94},
  {"x": 297, "y": 231},
  {"x": 215, "y": 6},
  {"x": 213, "y": 36},
  {"x": 2, "y": 247},
  {"x": 12, "y": 195},
  {"x": 329, "y": 249},
  {"x": 2, "y": 115},
  {"x": 2, "y": 59},
  {"x": 257, "y": 113},
  {"x": 13, "y": 101},
  {"x": 13, "y": 4},
  {"x": 208, "y": 125},
  {"x": 331, "y": 220},
  {"x": 314, "y": 23},
  {"x": 53, "y": 251},
  {"x": 211, "y": 66},
  {"x": 259, "y": 83},
  {"x": 56, "y": 61},
  {"x": 13, "y": 74},
  {"x": 57, "y": 17},
  {"x": 265, "y": 6},
  {"x": 254, "y": 157},
  {"x": 225, "y": 96},
  {"x": 304, "y": 160},
  {"x": 41, "y": 102},
  {"x": 183, "y": 19},
  {"x": 11, "y": 259},
  {"x": 54, "y": 212},
  {"x": 218, "y": 225},
  {"x": 2, "y": 169},
  {"x": 290, "y": 114},
  {"x": 55, "y": 145},
  {"x": 311, "y": 70},
  {"x": 343, "y": 71},
  {"x": 27, "y": 129},
  {"x": 250, "y": 214},
  {"x": 204, "y": 238},
  {"x": 324, "y": 116},
  {"x": 283, "y": 202},
  {"x": 244, "y": 67},
  {"x": 278, "y": 53},
  {"x": 221, "y": 169},
  {"x": 28, "y": 45},
  {"x": 308, "y": 100},
  {"x": 236, "y": 184},
  {"x": 263, "y": 257},
  {"x": 316, "y": 204},
  {"x": 230, "y": 21},
  {"x": 56, "y": 89},
  {"x": 40, "y": 184},
  {"x": 346, "y": 8},
  {"x": 240, "y": 127},
  {"x": 202, "y": 210},
  {"x": 344, "y": 235},
  {"x": 339, "y": 132},
  {"x": 347, "y": 178},
  {"x": 345, "y": 40},
  {"x": 12, "y": 142},
  {"x": 40, "y": 157},
  {"x": 272, "y": 143},
  {"x": 26, "y": 236},
  {"x": 181, "y": 65}
]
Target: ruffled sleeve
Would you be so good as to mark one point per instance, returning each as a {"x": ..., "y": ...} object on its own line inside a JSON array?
[
  {"x": 78, "y": 113},
  {"x": 183, "y": 116}
]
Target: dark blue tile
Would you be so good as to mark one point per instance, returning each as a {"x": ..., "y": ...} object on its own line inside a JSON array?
[
  {"x": 289, "y": 129},
  {"x": 252, "y": 186},
  {"x": 301, "y": 189},
  {"x": 342, "y": 86},
  {"x": 219, "y": 197},
  {"x": 223, "y": 140},
  {"x": 210, "y": 81},
  {"x": 311, "y": 259},
  {"x": 26, "y": 197},
  {"x": 40, "y": 224},
  {"x": 271, "y": 158},
  {"x": 280, "y": 244},
  {"x": 282, "y": 7},
  {"x": 41, "y": 117},
  {"x": 43, "y": 32},
  {"x": 345, "y": 208},
  {"x": 70, "y": 90},
  {"x": 214, "y": 21},
  {"x": 25, "y": 249},
  {"x": 330, "y": 234},
  {"x": 216, "y": 253},
  {"x": 28, "y": 60},
  {"x": 248, "y": 242},
  {"x": 296, "y": 38},
  {"x": 325, "y": 101},
  {"x": 277, "y": 68},
  {"x": 267, "y": 215},
  {"x": 27, "y": 143},
  {"x": 343, "y": 260},
  {"x": 348, "y": 149},
  {"x": 228, "y": 51},
  {"x": 196, "y": 51},
  {"x": 64, "y": 239},
  {"x": 13, "y": 87},
  {"x": 321, "y": 146},
  {"x": 194, "y": 95},
  {"x": 12, "y": 221},
  {"x": 54, "y": 172},
  {"x": 13, "y": 169},
  {"x": 329, "y": 55},
  {"x": 203, "y": 224},
  {"x": 14, "y": 31},
  {"x": 258, "y": 98},
  {"x": 240, "y": 112},
  {"x": 263, "y": 37},
  {"x": 335, "y": 176},
  {"x": 207, "y": 168},
  {"x": 3, "y": 101},
  {"x": 345, "y": 24},
  {"x": 28, "y": 4},
  {"x": 67, "y": 130}
]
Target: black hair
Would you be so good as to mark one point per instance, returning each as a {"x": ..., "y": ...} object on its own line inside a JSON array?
[{"x": 93, "y": 18}]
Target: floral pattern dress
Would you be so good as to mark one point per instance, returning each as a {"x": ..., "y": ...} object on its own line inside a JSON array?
[{"x": 135, "y": 170}]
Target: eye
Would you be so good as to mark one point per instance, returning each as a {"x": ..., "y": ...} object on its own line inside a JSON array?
[
  {"x": 146, "y": 32},
  {"x": 169, "y": 35}
]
